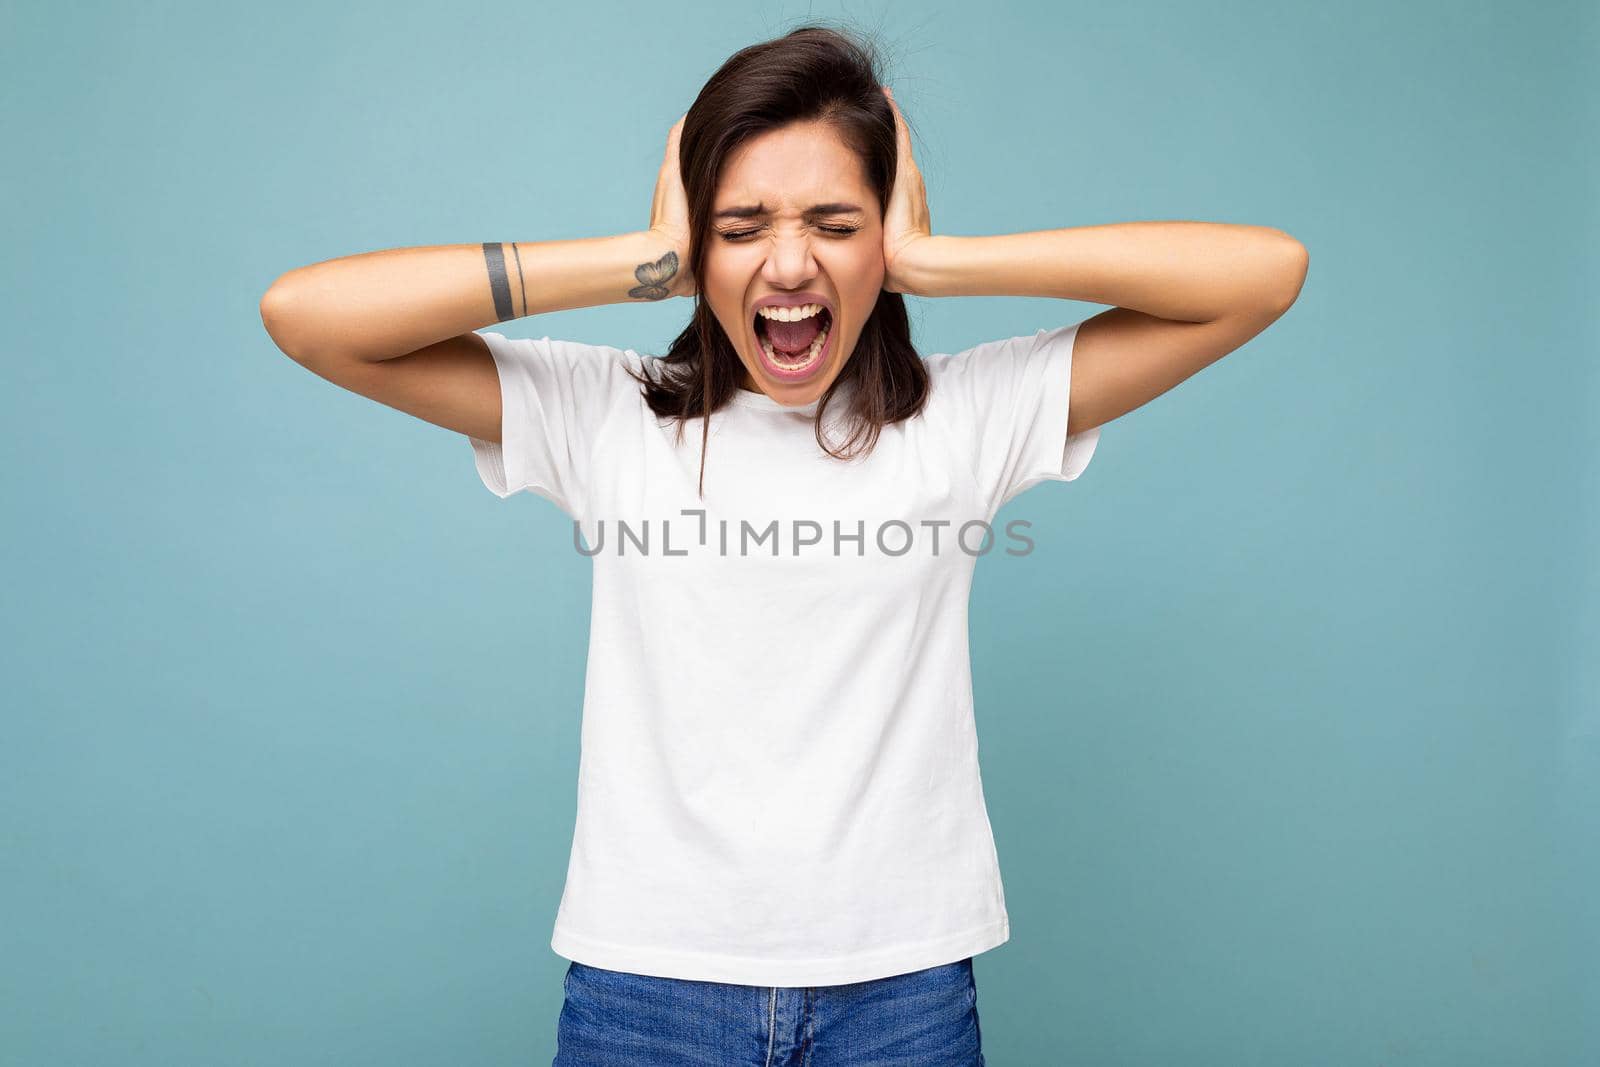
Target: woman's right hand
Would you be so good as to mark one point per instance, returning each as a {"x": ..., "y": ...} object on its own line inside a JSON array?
[{"x": 669, "y": 215}]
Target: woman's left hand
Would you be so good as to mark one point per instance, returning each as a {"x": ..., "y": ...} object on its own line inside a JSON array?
[{"x": 906, "y": 221}]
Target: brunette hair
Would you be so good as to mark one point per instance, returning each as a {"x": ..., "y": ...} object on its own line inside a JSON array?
[{"x": 814, "y": 72}]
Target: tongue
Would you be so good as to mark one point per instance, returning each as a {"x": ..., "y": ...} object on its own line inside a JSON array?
[{"x": 793, "y": 338}]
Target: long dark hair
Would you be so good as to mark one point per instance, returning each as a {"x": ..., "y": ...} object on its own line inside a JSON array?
[{"x": 814, "y": 72}]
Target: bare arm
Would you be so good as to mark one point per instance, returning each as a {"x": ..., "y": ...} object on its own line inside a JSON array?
[
  {"x": 398, "y": 326},
  {"x": 1187, "y": 294},
  {"x": 380, "y": 305},
  {"x": 1183, "y": 271}
]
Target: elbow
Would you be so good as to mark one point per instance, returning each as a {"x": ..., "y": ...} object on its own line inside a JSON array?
[
  {"x": 1288, "y": 273},
  {"x": 272, "y": 309},
  {"x": 278, "y": 317}
]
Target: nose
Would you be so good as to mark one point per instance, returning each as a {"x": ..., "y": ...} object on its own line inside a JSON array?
[{"x": 790, "y": 264}]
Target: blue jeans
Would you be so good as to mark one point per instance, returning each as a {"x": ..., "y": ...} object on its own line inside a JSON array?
[{"x": 926, "y": 1018}]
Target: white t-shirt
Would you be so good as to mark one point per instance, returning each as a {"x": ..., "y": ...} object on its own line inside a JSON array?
[{"x": 778, "y": 779}]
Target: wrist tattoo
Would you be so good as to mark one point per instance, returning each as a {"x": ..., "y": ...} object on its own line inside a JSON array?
[
  {"x": 494, "y": 256},
  {"x": 654, "y": 278}
]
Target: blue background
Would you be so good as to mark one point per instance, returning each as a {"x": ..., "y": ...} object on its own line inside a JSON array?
[{"x": 1289, "y": 723}]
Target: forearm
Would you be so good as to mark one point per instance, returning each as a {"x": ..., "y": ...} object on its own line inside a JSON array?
[
  {"x": 378, "y": 305},
  {"x": 1189, "y": 271}
]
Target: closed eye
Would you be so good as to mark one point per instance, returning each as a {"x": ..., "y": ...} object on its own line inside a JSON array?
[{"x": 739, "y": 235}]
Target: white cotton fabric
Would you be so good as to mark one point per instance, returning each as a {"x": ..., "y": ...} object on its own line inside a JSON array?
[{"x": 778, "y": 781}]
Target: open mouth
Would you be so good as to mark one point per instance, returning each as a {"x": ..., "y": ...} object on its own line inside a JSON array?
[{"x": 794, "y": 349}]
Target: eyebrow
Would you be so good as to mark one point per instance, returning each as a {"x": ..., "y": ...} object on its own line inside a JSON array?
[{"x": 746, "y": 212}]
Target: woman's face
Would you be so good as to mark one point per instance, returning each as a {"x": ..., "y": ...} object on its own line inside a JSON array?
[{"x": 764, "y": 245}]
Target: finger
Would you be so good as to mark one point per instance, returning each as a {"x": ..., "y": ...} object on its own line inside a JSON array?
[{"x": 902, "y": 132}]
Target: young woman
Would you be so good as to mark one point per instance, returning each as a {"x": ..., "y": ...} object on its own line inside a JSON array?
[{"x": 782, "y": 853}]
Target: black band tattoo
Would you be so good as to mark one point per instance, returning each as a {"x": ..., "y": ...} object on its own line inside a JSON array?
[
  {"x": 499, "y": 285},
  {"x": 654, "y": 278}
]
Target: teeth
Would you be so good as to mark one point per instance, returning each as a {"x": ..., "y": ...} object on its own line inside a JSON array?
[
  {"x": 810, "y": 356},
  {"x": 795, "y": 314}
]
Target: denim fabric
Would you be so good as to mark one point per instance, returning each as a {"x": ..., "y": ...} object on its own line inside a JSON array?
[{"x": 926, "y": 1018}]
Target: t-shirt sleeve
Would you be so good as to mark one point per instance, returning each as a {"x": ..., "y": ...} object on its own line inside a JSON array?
[
  {"x": 555, "y": 397},
  {"x": 1007, "y": 401}
]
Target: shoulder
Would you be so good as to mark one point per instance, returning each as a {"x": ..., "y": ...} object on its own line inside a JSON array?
[
  {"x": 960, "y": 378},
  {"x": 1000, "y": 364},
  {"x": 556, "y": 363}
]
